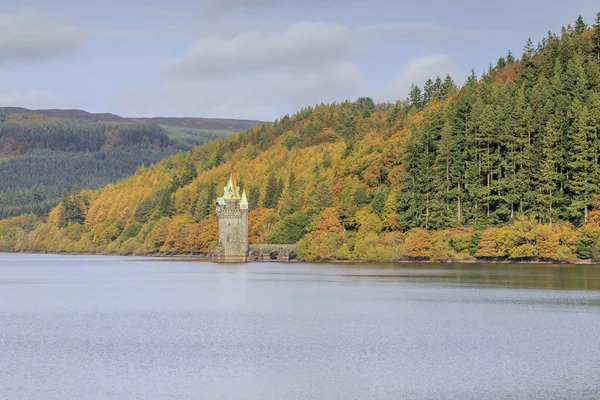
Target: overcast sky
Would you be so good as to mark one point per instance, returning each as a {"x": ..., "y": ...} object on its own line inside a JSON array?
[{"x": 257, "y": 59}]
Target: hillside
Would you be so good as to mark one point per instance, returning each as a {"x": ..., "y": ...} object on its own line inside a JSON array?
[
  {"x": 48, "y": 156},
  {"x": 210, "y": 124},
  {"x": 505, "y": 167}
]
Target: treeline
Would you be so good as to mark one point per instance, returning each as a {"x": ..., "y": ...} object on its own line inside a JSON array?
[
  {"x": 76, "y": 135},
  {"x": 504, "y": 167}
]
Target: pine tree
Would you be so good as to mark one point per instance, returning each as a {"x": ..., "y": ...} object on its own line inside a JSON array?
[
  {"x": 320, "y": 199},
  {"x": 253, "y": 197},
  {"x": 580, "y": 25},
  {"x": 144, "y": 210},
  {"x": 273, "y": 191},
  {"x": 291, "y": 202},
  {"x": 501, "y": 63},
  {"x": 548, "y": 175},
  {"x": 438, "y": 85},
  {"x": 189, "y": 174},
  {"x": 581, "y": 162},
  {"x": 165, "y": 204},
  {"x": 510, "y": 58},
  {"x": 448, "y": 88},
  {"x": 415, "y": 97},
  {"x": 379, "y": 199},
  {"x": 529, "y": 50},
  {"x": 428, "y": 91},
  {"x": 206, "y": 202},
  {"x": 596, "y": 38}
]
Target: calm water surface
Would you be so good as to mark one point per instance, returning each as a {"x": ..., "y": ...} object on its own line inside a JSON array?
[{"x": 86, "y": 327}]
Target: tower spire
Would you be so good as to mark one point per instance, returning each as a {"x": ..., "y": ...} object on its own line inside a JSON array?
[
  {"x": 231, "y": 191},
  {"x": 244, "y": 201}
]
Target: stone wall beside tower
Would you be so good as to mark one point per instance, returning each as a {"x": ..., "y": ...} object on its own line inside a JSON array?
[{"x": 232, "y": 213}]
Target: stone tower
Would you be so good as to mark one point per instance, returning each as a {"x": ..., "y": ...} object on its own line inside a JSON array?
[{"x": 232, "y": 213}]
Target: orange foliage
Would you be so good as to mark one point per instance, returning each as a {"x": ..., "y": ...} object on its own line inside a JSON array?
[
  {"x": 487, "y": 245},
  {"x": 510, "y": 72},
  {"x": 329, "y": 221},
  {"x": 261, "y": 223},
  {"x": 416, "y": 244},
  {"x": 547, "y": 241},
  {"x": 202, "y": 237}
]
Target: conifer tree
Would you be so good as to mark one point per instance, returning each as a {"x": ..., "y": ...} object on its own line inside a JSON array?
[
  {"x": 428, "y": 91},
  {"x": 581, "y": 162},
  {"x": 510, "y": 58},
  {"x": 415, "y": 97},
  {"x": 438, "y": 85},
  {"x": 253, "y": 197},
  {"x": 206, "y": 202},
  {"x": 291, "y": 202},
  {"x": 580, "y": 25},
  {"x": 448, "y": 88},
  {"x": 165, "y": 204},
  {"x": 273, "y": 192},
  {"x": 379, "y": 199},
  {"x": 596, "y": 38},
  {"x": 548, "y": 175}
]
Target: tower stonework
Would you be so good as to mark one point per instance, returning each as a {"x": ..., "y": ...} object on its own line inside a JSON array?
[{"x": 232, "y": 213}]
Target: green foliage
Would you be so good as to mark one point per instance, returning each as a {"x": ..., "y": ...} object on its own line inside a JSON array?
[
  {"x": 379, "y": 199},
  {"x": 205, "y": 202},
  {"x": 596, "y": 38},
  {"x": 273, "y": 192},
  {"x": 291, "y": 229},
  {"x": 326, "y": 161},
  {"x": 72, "y": 210},
  {"x": 588, "y": 236},
  {"x": 253, "y": 197},
  {"x": 35, "y": 182},
  {"x": 164, "y": 206},
  {"x": 144, "y": 210},
  {"x": 580, "y": 25},
  {"x": 131, "y": 231},
  {"x": 477, "y": 160},
  {"x": 320, "y": 198},
  {"x": 291, "y": 201}
]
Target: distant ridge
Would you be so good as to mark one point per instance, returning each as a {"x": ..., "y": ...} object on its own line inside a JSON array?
[{"x": 186, "y": 122}]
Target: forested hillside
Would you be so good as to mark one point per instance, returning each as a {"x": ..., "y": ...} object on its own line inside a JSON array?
[
  {"x": 507, "y": 166},
  {"x": 47, "y": 157}
]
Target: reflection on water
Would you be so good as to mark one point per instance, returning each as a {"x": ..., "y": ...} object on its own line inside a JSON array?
[
  {"x": 538, "y": 275},
  {"x": 87, "y": 327},
  {"x": 543, "y": 276}
]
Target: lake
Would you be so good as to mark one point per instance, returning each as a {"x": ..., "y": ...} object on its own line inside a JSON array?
[{"x": 93, "y": 327}]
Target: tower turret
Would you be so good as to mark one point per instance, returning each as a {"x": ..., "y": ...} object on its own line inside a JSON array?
[{"x": 232, "y": 213}]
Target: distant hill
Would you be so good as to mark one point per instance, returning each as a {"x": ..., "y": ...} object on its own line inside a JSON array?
[
  {"x": 45, "y": 154},
  {"x": 232, "y": 125}
]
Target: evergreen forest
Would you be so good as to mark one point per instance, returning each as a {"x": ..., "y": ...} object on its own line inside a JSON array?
[
  {"x": 503, "y": 166},
  {"x": 46, "y": 159}
]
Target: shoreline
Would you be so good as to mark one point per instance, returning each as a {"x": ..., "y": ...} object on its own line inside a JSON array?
[{"x": 206, "y": 258}]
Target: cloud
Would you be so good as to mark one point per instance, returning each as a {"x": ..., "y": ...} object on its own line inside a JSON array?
[
  {"x": 420, "y": 33},
  {"x": 26, "y": 36},
  {"x": 301, "y": 46},
  {"x": 227, "y": 6},
  {"x": 417, "y": 72},
  {"x": 261, "y": 97}
]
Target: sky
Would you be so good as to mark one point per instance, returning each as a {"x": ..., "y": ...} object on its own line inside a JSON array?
[{"x": 253, "y": 59}]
